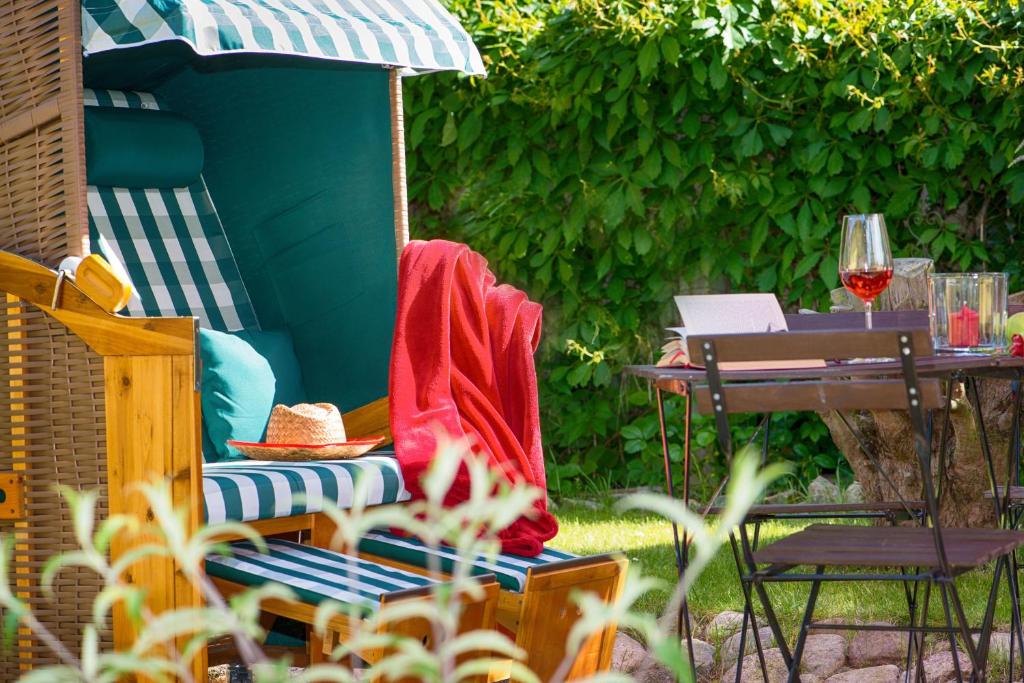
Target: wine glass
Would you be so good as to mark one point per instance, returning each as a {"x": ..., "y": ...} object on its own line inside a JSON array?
[{"x": 865, "y": 262}]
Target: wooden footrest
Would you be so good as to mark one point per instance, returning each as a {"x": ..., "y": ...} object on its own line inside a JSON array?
[
  {"x": 316, "y": 575},
  {"x": 535, "y": 604}
]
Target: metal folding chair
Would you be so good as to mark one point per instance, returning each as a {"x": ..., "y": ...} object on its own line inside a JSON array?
[{"x": 925, "y": 554}]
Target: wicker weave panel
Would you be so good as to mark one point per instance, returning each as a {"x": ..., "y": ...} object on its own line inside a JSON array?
[
  {"x": 52, "y": 426},
  {"x": 42, "y": 187},
  {"x": 29, "y": 32}
]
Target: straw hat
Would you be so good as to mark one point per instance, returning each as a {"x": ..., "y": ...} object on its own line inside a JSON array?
[{"x": 308, "y": 431}]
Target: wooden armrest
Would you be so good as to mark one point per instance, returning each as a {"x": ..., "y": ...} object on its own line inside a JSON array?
[
  {"x": 372, "y": 419},
  {"x": 107, "y": 334}
]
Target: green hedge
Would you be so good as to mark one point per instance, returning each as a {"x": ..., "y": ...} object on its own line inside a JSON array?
[{"x": 621, "y": 152}]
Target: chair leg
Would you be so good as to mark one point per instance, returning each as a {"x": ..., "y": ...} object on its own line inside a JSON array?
[
  {"x": 1016, "y": 631},
  {"x": 805, "y": 628},
  {"x": 951, "y": 631},
  {"x": 919, "y": 640},
  {"x": 748, "y": 611},
  {"x": 910, "y": 592}
]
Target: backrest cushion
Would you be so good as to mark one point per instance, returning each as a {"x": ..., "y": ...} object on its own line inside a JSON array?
[
  {"x": 167, "y": 241},
  {"x": 141, "y": 148},
  {"x": 238, "y": 388}
]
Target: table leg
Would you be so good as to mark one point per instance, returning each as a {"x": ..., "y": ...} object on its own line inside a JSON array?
[{"x": 680, "y": 542}]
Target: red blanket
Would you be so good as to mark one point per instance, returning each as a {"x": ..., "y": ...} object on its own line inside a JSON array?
[{"x": 462, "y": 361}]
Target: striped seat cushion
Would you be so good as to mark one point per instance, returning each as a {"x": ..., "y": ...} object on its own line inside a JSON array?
[
  {"x": 511, "y": 570},
  {"x": 314, "y": 574},
  {"x": 168, "y": 243},
  {"x": 245, "y": 491}
]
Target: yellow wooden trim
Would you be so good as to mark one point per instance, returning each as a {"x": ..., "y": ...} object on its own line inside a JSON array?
[
  {"x": 152, "y": 436},
  {"x": 105, "y": 333},
  {"x": 372, "y": 419},
  {"x": 398, "y": 183}
]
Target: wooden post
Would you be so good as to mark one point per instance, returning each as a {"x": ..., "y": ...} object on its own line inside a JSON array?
[
  {"x": 401, "y": 194},
  {"x": 153, "y": 435}
]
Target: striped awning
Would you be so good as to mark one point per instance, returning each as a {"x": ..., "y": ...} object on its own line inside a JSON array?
[{"x": 419, "y": 35}]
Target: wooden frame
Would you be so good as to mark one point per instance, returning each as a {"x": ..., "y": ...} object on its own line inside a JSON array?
[
  {"x": 479, "y": 614},
  {"x": 541, "y": 617}
]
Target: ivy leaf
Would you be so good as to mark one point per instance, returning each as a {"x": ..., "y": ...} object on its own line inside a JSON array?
[
  {"x": 700, "y": 72},
  {"x": 829, "y": 271},
  {"x": 642, "y": 241},
  {"x": 779, "y": 134},
  {"x": 954, "y": 155},
  {"x": 750, "y": 144},
  {"x": 717, "y": 73},
  {"x": 449, "y": 133},
  {"x": 615, "y": 208},
  {"x": 805, "y": 264},
  {"x": 470, "y": 129},
  {"x": 648, "y": 58},
  {"x": 670, "y": 48},
  {"x": 861, "y": 197}
]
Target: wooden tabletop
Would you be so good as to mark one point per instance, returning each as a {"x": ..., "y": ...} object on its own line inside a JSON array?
[{"x": 943, "y": 365}]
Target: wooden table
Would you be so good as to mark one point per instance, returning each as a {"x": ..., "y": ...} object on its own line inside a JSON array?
[{"x": 680, "y": 381}]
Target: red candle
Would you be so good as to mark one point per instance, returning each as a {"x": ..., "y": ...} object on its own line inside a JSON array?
[{"x": 963, "y": 328}]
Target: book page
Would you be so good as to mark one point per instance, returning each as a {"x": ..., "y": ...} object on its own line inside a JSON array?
[{"x": 738, "y": 314}]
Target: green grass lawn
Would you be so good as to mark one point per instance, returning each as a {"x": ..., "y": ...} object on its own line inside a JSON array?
[{"x": 647, "y": 541}]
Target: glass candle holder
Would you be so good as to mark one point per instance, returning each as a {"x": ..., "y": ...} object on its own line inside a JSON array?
[{"x": 967, "y": 312}]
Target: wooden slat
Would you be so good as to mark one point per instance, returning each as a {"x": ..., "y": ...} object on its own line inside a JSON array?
[
  {"x": 809, "y": 344},
  {"x": 861, "y": 546},
  {"x": 820, "y": 395}
]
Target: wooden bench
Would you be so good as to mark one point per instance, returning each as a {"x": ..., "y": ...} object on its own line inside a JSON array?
[
  {"x": 316, "y": 576},
  {"x": 535, "y": 605}
]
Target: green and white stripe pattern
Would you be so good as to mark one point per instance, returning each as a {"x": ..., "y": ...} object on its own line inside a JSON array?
[
  {"x": 511, "y": 570},
  {"x": 245, "y": 490},
  {"x": 418, "y": 34},
  {"x": 168, "y": 243},
  {"x": 314, "y": 574}
]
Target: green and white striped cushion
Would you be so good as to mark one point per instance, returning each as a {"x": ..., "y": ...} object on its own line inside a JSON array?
[
  {"x": 314, "y": 574},
  {"x": 245, "y": 491},
  {"x": 169, "y": 243},
  {"x": 511, "y": 570}
]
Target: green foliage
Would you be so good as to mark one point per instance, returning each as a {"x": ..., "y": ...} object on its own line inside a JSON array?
[
  {"x": 471, "y": 527},
  {"x": 622, "y": 151}
]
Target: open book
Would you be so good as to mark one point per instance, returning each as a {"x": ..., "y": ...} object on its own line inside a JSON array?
[{"x": 728, "y": 314}]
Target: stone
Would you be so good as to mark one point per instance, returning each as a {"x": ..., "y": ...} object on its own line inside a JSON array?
[
  {"x": 655, "y": 673},
  {"x": 628, "y": 654},
  {"x": 823, "y": 654},
  {"x": 724, "y": 624},
  {"x": 854, "y": 493},
  {"x": 888, "y": 673},
  {"x": 731, "y": 646},
  {"x": 939, "y": 668},
  {"x": 844, "y": 632},
  {"x": 217, "y": 674},
  {"x": 998, "y": 645},
  {"x": 874, "y": 648},
  {"x": 822, "y": 490},
  {"x": 777, "y": 672},
  {"x": 703, "y": 656}
]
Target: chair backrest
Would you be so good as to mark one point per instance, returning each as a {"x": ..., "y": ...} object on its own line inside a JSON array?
[
  {"x": 166, "y": 239},
  {"x": 820, "y": 393}
]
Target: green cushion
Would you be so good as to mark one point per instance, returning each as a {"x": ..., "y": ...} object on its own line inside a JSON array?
[
  {"x": 277, "y": 348},
  {"x": 141, "y": 148},
  {"x": 237, "y": 391}
]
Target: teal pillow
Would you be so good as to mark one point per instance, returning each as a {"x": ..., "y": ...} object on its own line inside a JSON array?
[
  {"x": 141, "y": 148},
  {"x": 277, "y": 348},
  {"x": 237, "y": 391}
]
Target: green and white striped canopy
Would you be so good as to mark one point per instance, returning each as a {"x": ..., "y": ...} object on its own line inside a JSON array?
[{"x": 415, "y": 34}]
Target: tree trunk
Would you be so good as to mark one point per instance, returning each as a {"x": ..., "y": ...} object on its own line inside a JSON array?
[{"x": 888, "y": 435}]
